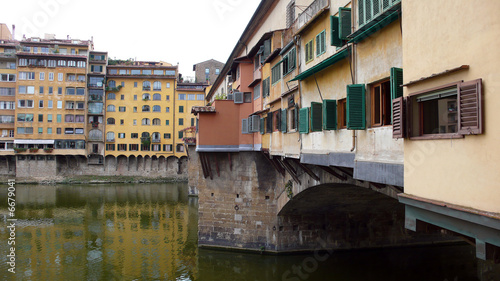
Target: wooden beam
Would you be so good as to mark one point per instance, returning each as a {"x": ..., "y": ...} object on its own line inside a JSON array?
[
  {"x": 209, "y": 168},
  {"x": 306, "y": 169},
  {"x": 333, "y": 173},
  {"x": 345, "y": 171},
  {"x": 230, "y": 161},
  {"x": 290, "y": 170},
  {"x": 217, "y": 165},
  {"x": 378, "y": 185},
  {"x": 203, "y": 165},
  {"x": 275, "y": 165}
]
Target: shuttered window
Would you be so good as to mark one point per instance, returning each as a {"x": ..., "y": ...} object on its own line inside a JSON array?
[
  {"x": 355, "y": 107},
  {"x": 316, "y": 116},
  {"x": 344, "y": 23},
  {"x": 470, "y": 108},
  {"x": 304, "y": 120},
  {"x": 269, "y": 123},
  {"x": 276, "y": 73},
  {"x": 244, "y": 126},
  {"x": 266, "y": 87},
  {"x": 396, "y": 82},
  {"x": 370, "y": 9},
  {"x": 329, "y": 115},
  {"x": 321, "y": 43},
  {"x": 335, "y": 34},
  {"x": 284, "y": 121},
  {"x": 262, "y": 126},
  {"x": 309, "y": 51}
]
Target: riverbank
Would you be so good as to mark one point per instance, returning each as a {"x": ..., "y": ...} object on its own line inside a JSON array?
[{"x": 93, "y": 180}]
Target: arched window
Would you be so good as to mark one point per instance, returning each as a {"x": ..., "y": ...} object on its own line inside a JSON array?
[
  {"x": 111, "y": 96},
  {"x": 146, "y": 97},
  {"x": 156, "y": 137},
  {"x": 110, "y": 136},
  {"x": 112, "y": 84},
  {"x": 146, "y": 86},
  {"x": 145, "y": 135},
  {"x": 111, "y": 108},
  {"x": 156, "y": 108},
  {"x": 156, "y": 122},
  {"x": 146, "y": 121},
  {"x": 156, "y": 97},
  {"x": 95, "y": 135},
  {"x": 157, "y": 86},
  {"x": 110, "y": 121},
  {"x": 146, "y": 108}
]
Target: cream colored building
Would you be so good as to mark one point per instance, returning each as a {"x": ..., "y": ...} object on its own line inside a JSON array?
[{"x": 451, "y": 96}]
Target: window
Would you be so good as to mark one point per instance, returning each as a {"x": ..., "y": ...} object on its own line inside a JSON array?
[
  {"x": 146, "y": 97},
  {"x": 256, "y": 92},
  {"x": 60, "y": 77},
  {"x": 180, "y": 148},
  {"x": 51, "y": 63},
  {"x": 289, "y": 62},
  {"x": 122, "y": 109},
  {"x": 200, "y": 97},
  {"x": 168, "y": 85},
  {"x": 122, "y": 147},
  {"x": 26, "y": 75},
  {"x": 40, "y": 130},
  {"x": 7, "y": 105},
  {"x": 69, "y": 131},
  {"x": 146, "y": 86},
  {"x": 49, "y": 118},
  {"x": 266, "y": 87},
  {"x": 156, "y": 108},
  {"x": 122, "y": 122},
  {"x": 40, "y": 104},
  {"x": 110, "y": 136},
  {"x": 42, "y": 76},
  {"x": 49, "y": 131},
  {"x": 181, "y": 121},
  {"x": 321, "y": 43},
  {"x": 167, "y": 147},
  {"x": 70, "y": 91},
  {"x": 181, "y": 109},
  {"x": 111, "y": 96},
  {"x": 59, "y": 118},
  {"x": 133, "y": 147},
  {"x": 71, "y": 77},
  {"x": 7, "y": 77},
  {"x": 368, "y": 10},
  {"x": 69, "y": 118},
  {"x": 121, "y": 135},
  {"x": 355, "y": 107},
  {"x": 59, "y": 91},
  {"x": 80, "y": 91},
  {"x": 81, "y": 78},
  {"x": 157, "y": 86},
  {"x": 146, "y": 108},
  {"x": 167, "y": 122},
  {"x": 158, "y": 72},
  {"x": 40, "y": 90},
  {"x": 110, "y": 147},
  {"x": 134, "y": 135},
  {"x": 182, "y": 96},
  {"x": 191, "y": 97},
  {"x": 341, "y": 114},
  {"x": 167, "y": 136},
  {"x": 58, "y": 131},
  {"x": 276, "y": 73},
  {"x": 135, "y": 109},
  {"x": 25, "y": 130},
  {"x": 7, "y": 91},
  {"x": 217, "y": 71},
  {"x": 380, "y": 104},
  {"x": 181, "y": 134},
  {"x": 304, "y": 120},
  {"x": 110, "y": 121},
  {"x": 135, "y": 97},
  {"x": 309, "y": 51},
  {"x": 112, "y": 84},
  {"x": 156, "y": 97},
  {"x": 79, "y": 118},
  {"x": 51, "y": 90},
  {"x": 146, "y": 122},
  {"x": 70, "y": 105},
  {"x": 156, "y": 122},
  {"x": 111, "y": 108}
]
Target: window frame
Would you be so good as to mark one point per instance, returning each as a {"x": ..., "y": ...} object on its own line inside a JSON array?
[{"x": 384, "y": 105}]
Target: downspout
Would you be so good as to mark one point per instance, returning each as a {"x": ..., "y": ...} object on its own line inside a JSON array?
[{"x": 353, "y": 72}]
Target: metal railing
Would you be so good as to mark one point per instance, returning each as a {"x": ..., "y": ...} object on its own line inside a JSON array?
[{"x": 310, "y": 12}]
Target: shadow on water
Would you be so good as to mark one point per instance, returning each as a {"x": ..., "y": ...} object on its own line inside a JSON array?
[{"x": 149, "y": 232}]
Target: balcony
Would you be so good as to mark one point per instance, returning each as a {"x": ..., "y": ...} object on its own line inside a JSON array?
[
  {"x": 311, "y": 12},
  {"x": 156, "y": 140},
  {"x": 110, "y": 139},
  {"x": 97, "y": 98},
  {"x": 146, "y": 88}
]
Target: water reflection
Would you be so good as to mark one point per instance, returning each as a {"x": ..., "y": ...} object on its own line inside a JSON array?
[
  {"x": 149, "y": 232},
  {"x": 121, "y": 232}
]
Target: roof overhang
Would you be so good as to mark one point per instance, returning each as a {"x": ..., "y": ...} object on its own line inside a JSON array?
[{"x": 324, "y": 64}]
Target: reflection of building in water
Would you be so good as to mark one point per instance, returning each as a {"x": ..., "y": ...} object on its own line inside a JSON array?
[{"x": 101, "y": 240}]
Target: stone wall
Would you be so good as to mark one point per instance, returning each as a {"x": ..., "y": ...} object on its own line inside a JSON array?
[{"x": 50, "y": 167}]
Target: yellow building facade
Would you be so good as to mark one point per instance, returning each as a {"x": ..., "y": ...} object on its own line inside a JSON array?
[
  {"x": 140, "y": 110},
  {"x": 7, "y": 96},
  {"x": 51, "y": 95}
]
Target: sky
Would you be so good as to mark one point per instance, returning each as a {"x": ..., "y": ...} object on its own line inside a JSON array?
[{"x": 179, "y": 32}]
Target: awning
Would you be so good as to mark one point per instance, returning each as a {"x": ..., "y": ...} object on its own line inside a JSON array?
[
  {"x": 376, "y": 27},
  {"x": 34, "y": 141},
  {"x": 324, "y": 64}
]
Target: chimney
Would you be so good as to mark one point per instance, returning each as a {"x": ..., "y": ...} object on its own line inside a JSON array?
[{"x": 13, "y": 32}]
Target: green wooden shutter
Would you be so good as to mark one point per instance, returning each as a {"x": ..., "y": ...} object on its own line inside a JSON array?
[
  {"x": 329, "y": 115},
  {"x": 316, "y": 116},
  {"x": 355, "y": 107},
  {"x": 262, "y": 126},
  {"x": 269, "y": 123},
  {"x": 396, "y": 82},
  {"x": 304, "y": 120},
  {"x": 335, "y": 37},
  {"x": 284, "y": 120},
  {"x": 344, "y": 23},
  {"x": 296, "y": 117}
]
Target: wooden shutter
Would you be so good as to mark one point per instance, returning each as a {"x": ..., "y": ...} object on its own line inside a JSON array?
[
  {"x": 238, "y": 97},
  {"x": 470, "y": 108},
  {"x": 262, "y": 126},
  {"x": 335, "y": 36},
  {"x": 296, "y": 117},
  {"x": 396, "y": 82},
  {"x": 399, "y": 118},
  {"x": 278, "y": 119},
  {"x": 355, "y": 107},
  {"x": 329, "y": 115},
  {"x": 316, "y": 116},
  {"x": 269, "y": 123},
  {"x": 344, "y": 23},
  {"x": 255, "y": 123},
  {"x": 304, "y": 120},
  {"x": 284, "y": 120}
]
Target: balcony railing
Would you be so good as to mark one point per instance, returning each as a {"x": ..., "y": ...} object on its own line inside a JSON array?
[
  {"x": 310, "y": 12},
  {"x": 155, "y": 140},
  {"x": 146, "y": 88},
  {"x": 110, "y": 139}
]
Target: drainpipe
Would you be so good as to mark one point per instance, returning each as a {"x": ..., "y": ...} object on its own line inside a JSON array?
[{"x": 353, "y": 140}]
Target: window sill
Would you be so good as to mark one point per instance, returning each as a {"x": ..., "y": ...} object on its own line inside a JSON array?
[{"x": 438, "y": 137}]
